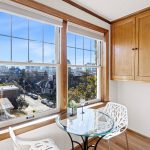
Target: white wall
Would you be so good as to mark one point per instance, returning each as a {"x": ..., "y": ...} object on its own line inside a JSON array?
[{"x": 136, "y": 96}]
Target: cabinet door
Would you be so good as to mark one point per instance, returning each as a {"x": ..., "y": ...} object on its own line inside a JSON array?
[
  {"x": 142, "y": 63},
  {"x": 123, "y": 41}
]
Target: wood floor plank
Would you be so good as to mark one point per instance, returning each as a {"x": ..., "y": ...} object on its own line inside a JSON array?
[{"x": 136, "y": 142}]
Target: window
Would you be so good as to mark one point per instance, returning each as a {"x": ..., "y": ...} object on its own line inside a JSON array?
[
  {"x": 83, "y": 57},
  {"x": 28, "y": 68}
]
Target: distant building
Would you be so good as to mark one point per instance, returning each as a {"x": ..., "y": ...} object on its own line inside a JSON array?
[{"x": 10, "y": 92}]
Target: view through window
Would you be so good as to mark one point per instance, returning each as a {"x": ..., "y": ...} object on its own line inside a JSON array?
[
  {"x": 83, "y": 57},
  {"x": 28, "y": 66}
]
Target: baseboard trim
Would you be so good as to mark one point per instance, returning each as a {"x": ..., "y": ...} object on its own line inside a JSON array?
[{"x": 139, "y": 135}]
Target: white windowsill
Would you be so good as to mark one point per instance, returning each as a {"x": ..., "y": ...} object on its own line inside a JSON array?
[{"x": 33, "y": 122}]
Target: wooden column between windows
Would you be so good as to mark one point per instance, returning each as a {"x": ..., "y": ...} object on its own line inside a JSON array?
[
  {"x": 105, "y": 69},
  {"x": 63, "y": 67}
]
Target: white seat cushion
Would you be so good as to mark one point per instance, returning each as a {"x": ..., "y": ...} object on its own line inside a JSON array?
[{"x": 45, "y": 144}]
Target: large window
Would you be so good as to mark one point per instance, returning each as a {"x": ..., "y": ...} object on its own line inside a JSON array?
[
  {"x": 83, "y": 57},
  {"x": 28, "y": 67}
]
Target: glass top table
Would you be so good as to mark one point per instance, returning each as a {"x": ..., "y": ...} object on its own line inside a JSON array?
[{"x": 91, "y": 123}]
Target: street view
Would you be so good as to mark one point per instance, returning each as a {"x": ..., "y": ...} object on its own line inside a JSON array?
[
  {"x": 28, "y": 89},
  {"x": 32, "y": 89}
]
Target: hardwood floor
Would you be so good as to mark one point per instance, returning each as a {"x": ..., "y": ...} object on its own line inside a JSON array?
[{"x": 136, "y": 142}]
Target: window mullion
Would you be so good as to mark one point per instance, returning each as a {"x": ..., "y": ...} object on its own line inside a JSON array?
[
  {"x": 11, "y": 40},
  {"x": 28, "y": 42},
  {"x": 83, "y": 50},
  {"x": 43, "y": 44},
  {"x": 75, "y": 50},
  {"x": 98, "y": 53},
  {"x": 57, "y": 45}
]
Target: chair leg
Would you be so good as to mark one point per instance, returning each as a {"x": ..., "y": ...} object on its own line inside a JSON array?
[
  {"x": 127, "y": 140},
  {"x": 108, "y": 144}
]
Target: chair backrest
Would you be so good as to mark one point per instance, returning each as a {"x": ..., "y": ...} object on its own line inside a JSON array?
[
  {"x": 118, "y": 113},
  {"x": 14, "y": 139}
]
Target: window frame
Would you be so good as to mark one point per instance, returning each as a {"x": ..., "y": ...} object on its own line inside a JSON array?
[
  {"x": 41, "y": 64},
  {"x": 97, "y": 66}
]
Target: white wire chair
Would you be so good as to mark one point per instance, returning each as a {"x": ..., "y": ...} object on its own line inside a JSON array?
[
  {"x": 119, "y": 114},
  {"x": 20, "y": 144}
]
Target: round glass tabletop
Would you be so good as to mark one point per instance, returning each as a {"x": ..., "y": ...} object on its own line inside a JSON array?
[{"x": 92, "y": 123}]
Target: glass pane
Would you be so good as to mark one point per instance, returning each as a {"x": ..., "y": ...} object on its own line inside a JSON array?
[
  {"x": 71, "y": 56},
  {"x": 5, "y": 23},
  {"x": 82, "y": 83},
  {"x": 87, "y": 43},
  {"x": 49, "y": 53},
  {"x": 79, "y": 41},
  {"x": 93, "y": 58},
  {"x": 19, "y": 50},
  {"x": 87, "y": 56},
  {"x": 26, "y": 90},
  {"x": 5, "y": 48},
  {"x": 35, "y": 30},
  {"x": 70, "y": 40},
  {"x": 93, "y": 45},
  {"x": 49, "y": 34},
  {"x": 79, "y": 57},
  {"x": 19, "y": 27},
  {"x": 35, "y": 51}
]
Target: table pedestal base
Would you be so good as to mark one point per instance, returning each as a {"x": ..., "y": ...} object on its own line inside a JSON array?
[{"x": 85, "y": 145}]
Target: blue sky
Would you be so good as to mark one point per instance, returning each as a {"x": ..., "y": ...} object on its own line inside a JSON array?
[
  {"x": 39, "y": 32},
  {"x": 80, "y": 49}
]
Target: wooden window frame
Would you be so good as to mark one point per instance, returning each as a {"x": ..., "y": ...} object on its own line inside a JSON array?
[
  {"x": 63, "y": 58},
  {"x": 11, "y": 62},
  {"x": 104, "y": 68}
]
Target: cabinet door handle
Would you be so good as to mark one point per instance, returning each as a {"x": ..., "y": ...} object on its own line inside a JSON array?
[
  {"x": 133, "y": 49},
  {"x": 136, "y": 48}
]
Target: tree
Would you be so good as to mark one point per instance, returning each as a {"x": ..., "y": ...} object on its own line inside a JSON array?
[{"x": 85, "y": 88}]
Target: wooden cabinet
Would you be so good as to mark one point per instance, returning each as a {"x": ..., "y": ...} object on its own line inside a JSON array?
[
  {"x": 142, "y": 62},
  {"x": 123, "y": 41},
  {"x": 131, "y": 48}
]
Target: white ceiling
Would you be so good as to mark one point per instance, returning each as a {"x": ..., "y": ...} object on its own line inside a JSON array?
[
  {"x": 114, "y": 9},
  {"x": 109, "y": 9}
]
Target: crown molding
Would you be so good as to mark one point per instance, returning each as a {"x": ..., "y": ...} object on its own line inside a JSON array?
[{"x": 86, "y": 10}]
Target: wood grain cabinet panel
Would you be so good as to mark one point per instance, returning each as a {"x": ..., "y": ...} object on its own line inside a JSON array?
[
  {"x": 131, "y": 33},
  {"x": 123, "y": 41},
  {"x": 142, "y": 61}
]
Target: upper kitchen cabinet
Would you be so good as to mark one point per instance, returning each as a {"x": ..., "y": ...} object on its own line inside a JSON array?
[
  {"x": 123, "y": 44},
  {"x": 142, "y": 61}
]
